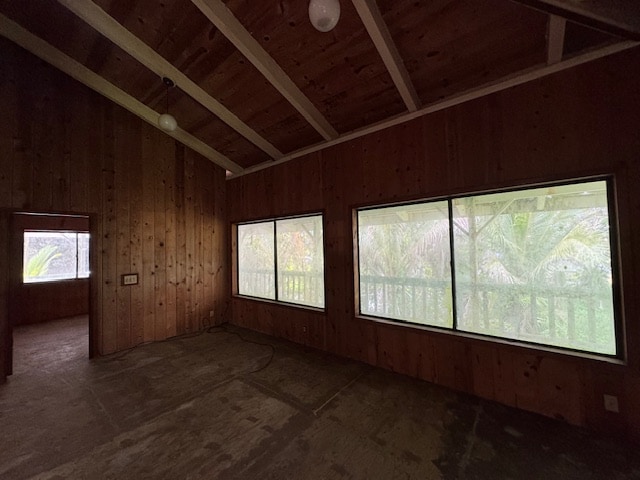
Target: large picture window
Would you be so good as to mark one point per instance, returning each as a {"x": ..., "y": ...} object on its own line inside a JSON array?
[
  {"x": 282, "y": 260},
  {"x": 532, "y": 265},
  {"x": 50, "y": 256}
]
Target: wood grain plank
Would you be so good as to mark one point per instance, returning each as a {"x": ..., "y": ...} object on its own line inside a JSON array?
[
  {"x": 222, "y": 252},
  {"x": 482, "y": 366},
  {"x": 208, "y": 206},
  {"x": 95, "y": 285},
  {"x": 170, "y": 244},
  {"x": 109, "y": 235},
  {"x": 136, "y": 230},
  {"x": 59, "y": 155},
  {"x": 149, "y": 160},
  {"x": 560, "y": 392},
  {"x": 93, "y": 175},
  {"x": 159, "y": 236},
  {"x": 198, "y": 260},
  {"x": 41, "y": 173},
  {"x": 123, "y": 229},
  {"x": 190, "y": 250},
  {"x": 181, "y": 241},
  {"x": 5, "y": 332},
  {"x": 9, "y": 100},
  {"x": 80, "y": 150}
]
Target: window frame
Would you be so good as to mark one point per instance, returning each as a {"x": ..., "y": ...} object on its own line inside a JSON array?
[
  {"x": 236, "y": 257},
  {"x": 616, "y": 271},
  {"x": 77, "y": 257}
]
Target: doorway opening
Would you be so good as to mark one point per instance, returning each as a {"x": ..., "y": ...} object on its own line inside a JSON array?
[{"x": 49, "y": 309}]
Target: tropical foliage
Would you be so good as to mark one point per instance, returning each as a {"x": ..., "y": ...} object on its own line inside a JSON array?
[
  {"x": 38, "y": 264},
  {"x": 293, "y": 247},
  {"x": 530, "y": 265},
  {"x": 536, "y": 275}
]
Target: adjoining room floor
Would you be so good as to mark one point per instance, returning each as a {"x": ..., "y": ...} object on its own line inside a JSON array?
[
  {"x": 41, "y": 346},
  {"x": 217, "y": 407}
]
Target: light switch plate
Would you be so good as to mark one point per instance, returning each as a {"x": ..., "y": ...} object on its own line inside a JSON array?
[
  {"x": 130, "y": 279},
  {"x": 611, "y": 403}
]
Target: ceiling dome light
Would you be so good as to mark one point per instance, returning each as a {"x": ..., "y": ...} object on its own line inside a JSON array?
[
  {"x": 167, "y": 122},
  {"x": 324, "y": 14}
]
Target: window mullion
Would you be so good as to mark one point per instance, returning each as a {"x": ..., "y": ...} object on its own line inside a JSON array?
[
  {"x": 77, "y": 256},
  {"x": 452, "y": 264},
  {"x": 275, "y": 259}
]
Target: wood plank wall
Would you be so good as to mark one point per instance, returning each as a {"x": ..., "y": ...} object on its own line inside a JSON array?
[
  {"x": 576, "y": 123},
  {"x": 41, "y": 302},
  {"x": 156, "y": 207}
]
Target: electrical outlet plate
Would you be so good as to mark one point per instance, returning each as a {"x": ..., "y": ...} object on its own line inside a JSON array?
[
  {"x": 130, "y": 279},
  {"x": 611, "y": 403}
]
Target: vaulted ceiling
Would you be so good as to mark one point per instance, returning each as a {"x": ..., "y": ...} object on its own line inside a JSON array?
[{"x": 258, "y": 85}]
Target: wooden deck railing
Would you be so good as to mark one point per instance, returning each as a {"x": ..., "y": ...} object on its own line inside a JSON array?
[{"x": 575, "y": 318}]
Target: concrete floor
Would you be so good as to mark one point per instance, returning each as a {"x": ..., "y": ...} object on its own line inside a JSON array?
[{"x": 214, "y": 406}]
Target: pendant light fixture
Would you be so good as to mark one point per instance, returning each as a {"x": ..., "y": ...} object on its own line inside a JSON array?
[
  {"x": 166, "y": 121},
  {"x": 324, "y": 14}
]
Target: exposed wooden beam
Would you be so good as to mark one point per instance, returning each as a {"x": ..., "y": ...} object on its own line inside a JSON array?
[
  {"x": 617, "y": 17},
  {"x": 102, "y": 22},
  {"x": 53, "y": 56},
  {"x": 520, "y": 78},
  {"x": 217, "y": 12},
  {"x": 379, "y": 33},
  {"x": 555, "y": 39}
]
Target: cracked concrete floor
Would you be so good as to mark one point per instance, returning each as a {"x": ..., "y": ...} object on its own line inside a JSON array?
[{"x": 215, "y": 406}]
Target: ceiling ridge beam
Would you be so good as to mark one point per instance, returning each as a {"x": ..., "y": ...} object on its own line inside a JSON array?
[
  {"x": 379, "y": 32},
  {"x": 106, "y": 25},
  {"x": 224, "y": 20},
  {"x": 514, "y": 80},
  {"x": 555, "y": 39},
  {"x": 615, "y": 17},
  {"x": 47, "y": 52}
]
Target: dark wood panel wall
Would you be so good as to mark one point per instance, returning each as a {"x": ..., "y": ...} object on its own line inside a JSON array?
[
  {"x": 5, "y": 339},
  {"x": 156, "y": 208},
  {"x": 41, "y": 302},
  {"x": 576, "y": 123}
]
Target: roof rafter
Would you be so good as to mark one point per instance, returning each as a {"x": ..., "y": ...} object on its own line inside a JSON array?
[
  {"x": 76, "y": 70},
  {"x": 381, "y": 37},
  {"x": 616, "y": 17},
  {"x": 106, "y": 25},
  {"x": 218, "y": 13},
  {"x": 555, "y": 39},
  {"x": 519, "y": 78}
]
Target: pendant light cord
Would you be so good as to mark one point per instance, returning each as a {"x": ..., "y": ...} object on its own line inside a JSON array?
[{"x": 168, "y": 84}]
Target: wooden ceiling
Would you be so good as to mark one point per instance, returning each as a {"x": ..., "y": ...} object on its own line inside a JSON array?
[{"x": 257, "y": 85}]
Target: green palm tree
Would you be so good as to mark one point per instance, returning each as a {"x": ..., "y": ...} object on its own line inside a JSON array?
[{"x": 38, "y": 264}]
